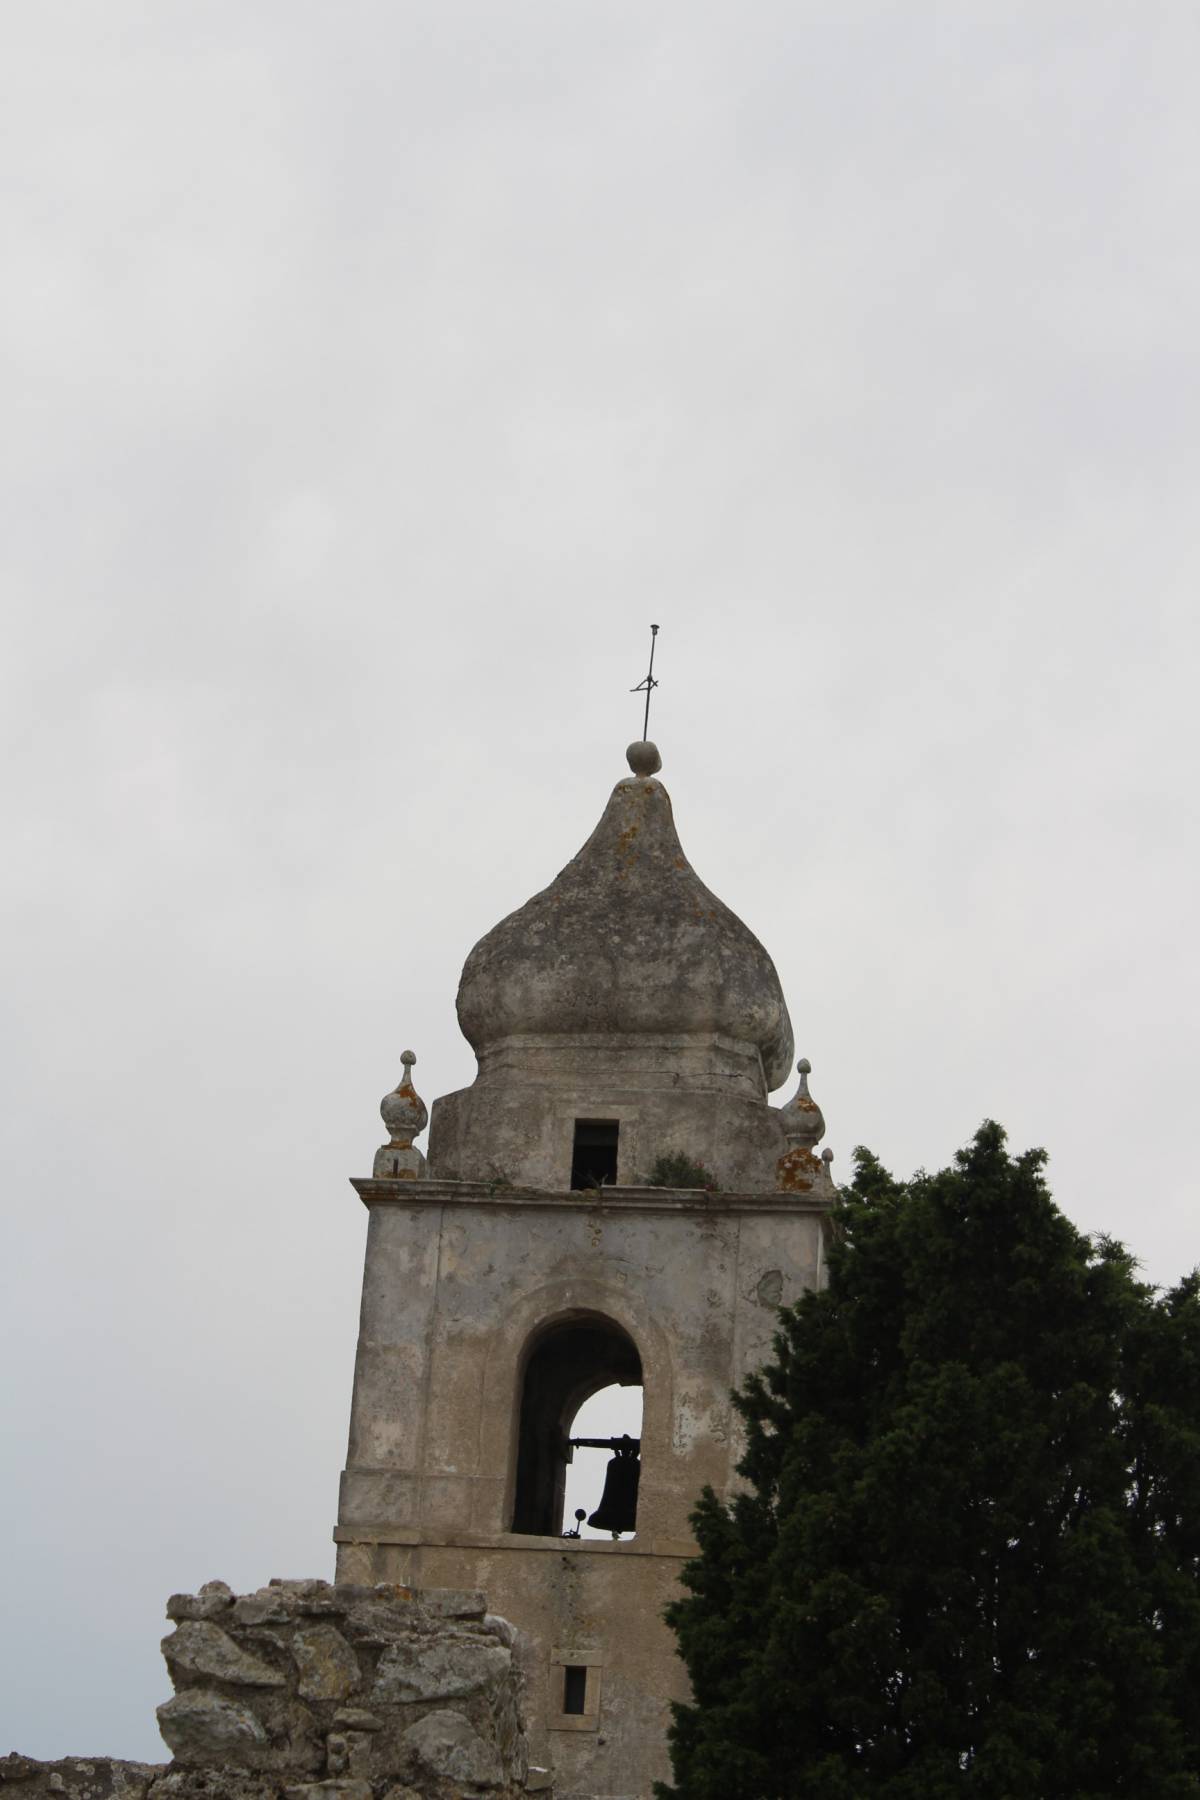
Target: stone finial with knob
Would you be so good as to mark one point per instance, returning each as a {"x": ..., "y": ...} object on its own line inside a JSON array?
[
  {"x": 802, "y": 1119},
  {"x": 404, "y": 1113},
  {"x": 799, "y": 1170}
]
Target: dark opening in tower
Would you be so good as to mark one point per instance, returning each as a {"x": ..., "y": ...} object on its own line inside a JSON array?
[
  {"x": 574, "y": 1688},
  {"x": 568, "y": 1362},
  {"x": 594, "y": 1156}
]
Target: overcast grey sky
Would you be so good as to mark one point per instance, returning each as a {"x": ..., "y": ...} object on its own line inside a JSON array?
[{"x": 374, "y": 375}]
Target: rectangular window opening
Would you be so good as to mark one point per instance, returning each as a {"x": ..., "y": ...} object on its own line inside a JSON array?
[
  {"x": 574, "y": 1688},
  {"x": 594, "y": 1156}
]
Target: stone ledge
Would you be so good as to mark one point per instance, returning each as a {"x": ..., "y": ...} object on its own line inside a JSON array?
[
  {"x": 411, "y": 1536},
  {"x": 374, "y": 1192}
]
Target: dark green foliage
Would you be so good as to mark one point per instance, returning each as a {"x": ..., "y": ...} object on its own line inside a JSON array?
[
  {"x": 679, "y": 1171},
  {"x": 968, "y": 1562}
]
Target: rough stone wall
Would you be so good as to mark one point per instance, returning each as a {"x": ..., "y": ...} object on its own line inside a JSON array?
[
  {"x": 307, "y": 1691},
  {"x": 76, "y": 1778}
]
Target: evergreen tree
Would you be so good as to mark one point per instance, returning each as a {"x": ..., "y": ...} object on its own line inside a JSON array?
[{"x": 967, "y": 1562}]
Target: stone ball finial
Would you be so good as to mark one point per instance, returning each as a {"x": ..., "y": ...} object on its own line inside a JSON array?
[
  {"x": 827, "y": 1156},
  {"x": 643, "y": 758},
  {"x": 403, "y": 1111}
]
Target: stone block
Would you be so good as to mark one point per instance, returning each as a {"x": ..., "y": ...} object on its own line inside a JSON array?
[
  {"x": 198, "y": 1647},
  {"x": 328, "y": 1666},
  {"x": 398, "y": 1162},
  {"x": 269, "y": 1606},
  {"x": 444, "y": 1669},
  {"x": 448, "y": 1747},
  {"x": 379, "y": 1620},
  {"x": 214, "y": 1598},
  {"x": 296, "y": 1742},
  {"x": 370, "y": 1494},
  {"x": 348, "y": 1753},
  {"x": 197, "y": 1606},
  {"x": 201, "y": 1727},
  {"x": 357, "y": 1718},
  {"x": 447, "y": 1498}
]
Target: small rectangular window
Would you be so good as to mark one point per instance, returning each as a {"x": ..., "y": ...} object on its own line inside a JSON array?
[
  {"x": 574, "y": 1688},
  {"x": 594, "y": 1157}
]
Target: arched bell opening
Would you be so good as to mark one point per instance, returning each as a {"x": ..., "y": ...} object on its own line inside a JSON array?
[{"x": 568, "y": 1361}]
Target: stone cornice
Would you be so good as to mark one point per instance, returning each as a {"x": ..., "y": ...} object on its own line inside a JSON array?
[
  {"x": 403, "y": 1192},
  {"x": 410, "y": 1536}
]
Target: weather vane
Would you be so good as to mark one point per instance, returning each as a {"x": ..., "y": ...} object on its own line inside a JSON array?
[{"x": 647, "y": 686}]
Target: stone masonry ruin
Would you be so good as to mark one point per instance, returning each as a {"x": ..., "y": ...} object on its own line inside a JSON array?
[{"x": 306, "y": 1691}]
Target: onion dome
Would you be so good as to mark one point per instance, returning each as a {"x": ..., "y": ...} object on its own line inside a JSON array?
[{"x": 627, "y": 940}]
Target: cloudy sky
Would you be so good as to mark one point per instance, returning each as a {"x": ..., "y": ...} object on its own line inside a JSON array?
[{"x": 374, "y": 375}]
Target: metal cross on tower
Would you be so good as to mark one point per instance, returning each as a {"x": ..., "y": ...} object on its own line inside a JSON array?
[{"x": 648, "y": 685}]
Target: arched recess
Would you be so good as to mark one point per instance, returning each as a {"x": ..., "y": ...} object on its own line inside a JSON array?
[{"x": 566, "y": 1361}]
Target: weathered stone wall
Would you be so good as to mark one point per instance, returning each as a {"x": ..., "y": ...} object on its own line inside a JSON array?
[
  {"x": 307, "y": 1691},
  {"x": 77, "y": 1778},
  {"x": 458, "y": 1284}
]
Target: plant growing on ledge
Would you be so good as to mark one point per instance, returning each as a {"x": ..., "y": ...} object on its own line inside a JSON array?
[{"x": 680, "y": 1171}]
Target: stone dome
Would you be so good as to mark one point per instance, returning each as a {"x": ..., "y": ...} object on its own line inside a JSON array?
[{"x": 627, "y": 940}]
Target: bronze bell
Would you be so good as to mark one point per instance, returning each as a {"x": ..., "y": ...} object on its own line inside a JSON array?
[{"x": 617, "y": 1510}]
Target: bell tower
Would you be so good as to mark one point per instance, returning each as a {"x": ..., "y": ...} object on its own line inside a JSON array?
[{"x": 628, "y": 1029}]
